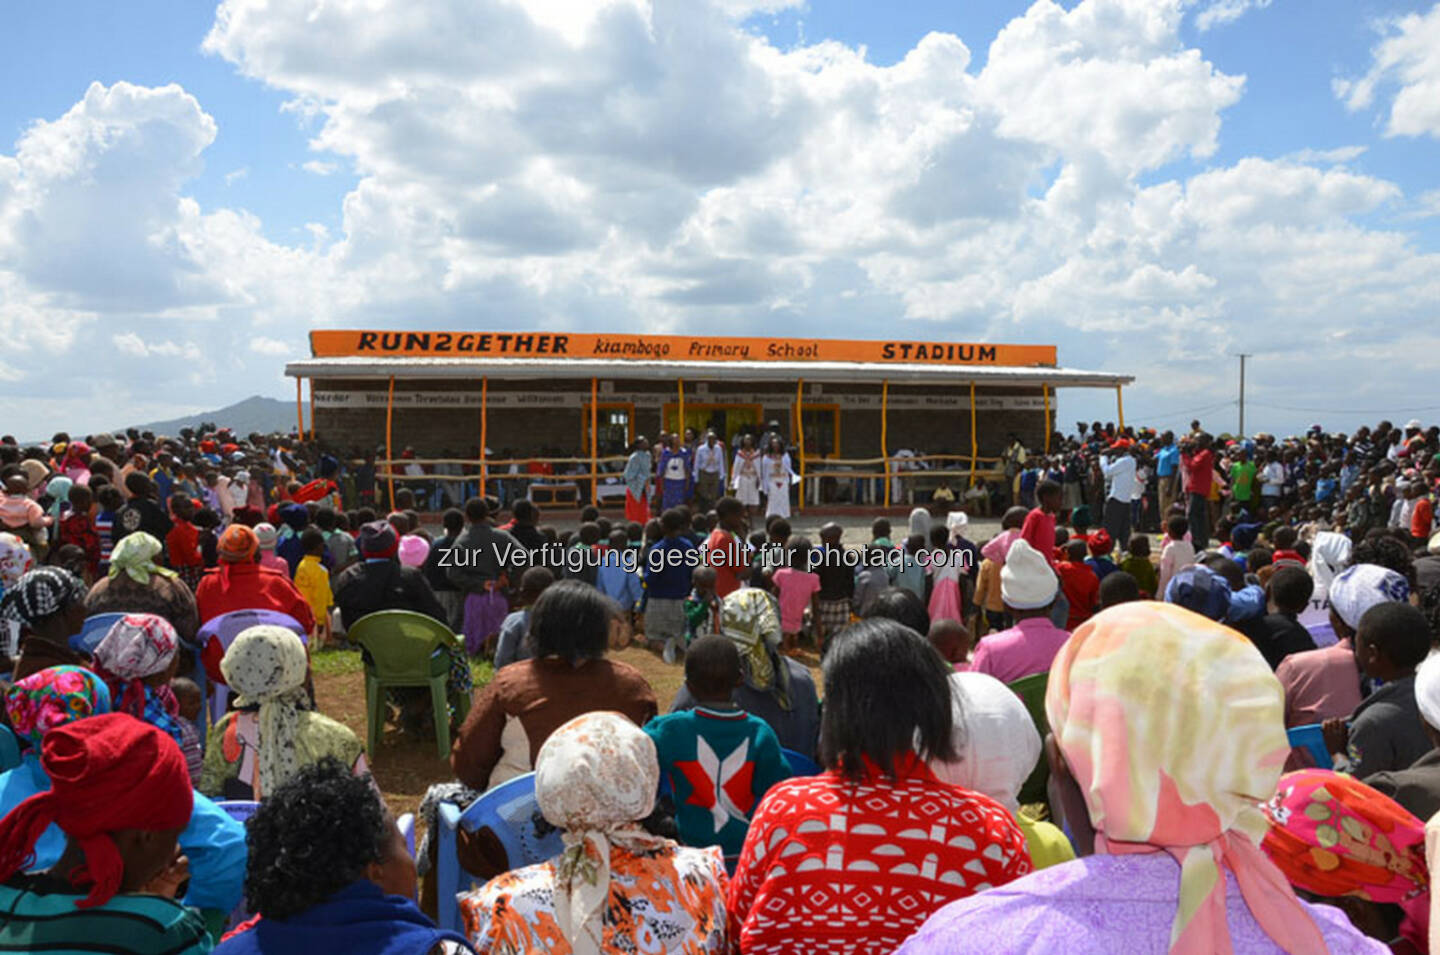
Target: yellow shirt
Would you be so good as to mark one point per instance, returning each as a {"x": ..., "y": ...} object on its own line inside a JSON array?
[
  {"x": 313, "y": 582},
  {"x": 987, "y": 588},
  {"x": 1046, "y": 842}
]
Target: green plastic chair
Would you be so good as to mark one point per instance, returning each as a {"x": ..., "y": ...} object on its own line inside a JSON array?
[
  {"x": 1031, "y": 690},
  {"x": 404, "y": 648}
]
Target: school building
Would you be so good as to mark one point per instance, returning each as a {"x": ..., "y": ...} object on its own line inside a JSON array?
[{"x": 844, "y": 405}]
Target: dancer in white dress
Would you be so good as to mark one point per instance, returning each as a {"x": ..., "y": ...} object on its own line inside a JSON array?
[
  {"x": 775, "y": 478},
  {"x": 745, "y": 474}
]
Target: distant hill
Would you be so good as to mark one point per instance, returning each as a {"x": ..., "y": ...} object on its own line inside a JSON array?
[{"x": 253, "y": 414}]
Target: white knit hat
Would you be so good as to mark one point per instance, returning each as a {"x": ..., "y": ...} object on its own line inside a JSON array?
[{"x": 1026, "y": 580}]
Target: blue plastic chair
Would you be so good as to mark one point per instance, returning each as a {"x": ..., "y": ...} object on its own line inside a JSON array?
[
  {"x": 802, "y": 765},
  {"x": 406, "y": 825},
  {"x": 226, "y": 627},
  {"x": 1311, "y": 739},
  {"x": 93, "y": 631},
  {"x": 9, "y": 749},
  {"x": 509, "y": 811}
]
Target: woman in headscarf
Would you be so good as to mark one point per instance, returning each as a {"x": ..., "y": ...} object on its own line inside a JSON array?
[
  {"x": 137, "y": 584},
  {"x": 1168, "y": 734},
  {"x": 1339, "y": 841},
  {"x": 119, "y": 792},
  {"x": 616, "y": 888},
  {"x": 853, "y": 860},
  {"x": 239, "y": 582},
  {"x": 920, "y": 521},
  {"x": 137, "y": 659},
  {"x": 998, "y": 747},
  {"x": 212, "y": 841},
  {"x": 77, "y": 463},
  {"x": 48, "y": 605},
  {"x": 774, "y": 687},
  {"x": 272, "y": 731},
  {"x": 1328, "y": 556},
  {"x": 639, "y": 469}
]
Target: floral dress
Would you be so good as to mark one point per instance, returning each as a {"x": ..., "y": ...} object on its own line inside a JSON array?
[{"x": 671, "y": 900}]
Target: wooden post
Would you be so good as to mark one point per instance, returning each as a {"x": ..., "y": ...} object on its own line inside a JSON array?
[
  {"x": 800, "y": 432},
  {"x": 974, "y": 437},
  {"x": 389, "y": 444},
  {"x": 484, "y": 434},
  {"x": 594, "y": 462},
  {"x": 299, "y": 411},
  {"x": 1045, "y": 390},
  {"x": 884, "y": 442},
  {"x": 1120, "y": 408}
]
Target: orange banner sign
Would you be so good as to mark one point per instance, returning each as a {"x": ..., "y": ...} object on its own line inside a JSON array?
[{"x": 383, "y": 344}]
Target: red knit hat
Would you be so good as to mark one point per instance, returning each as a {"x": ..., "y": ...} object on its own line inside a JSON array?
[
  {"x": 107, "y": 773},
  {"x": 1101, "y": 543}
]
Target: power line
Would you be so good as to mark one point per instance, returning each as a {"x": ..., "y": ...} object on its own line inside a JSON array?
[{"x": 1380, "y": 411}]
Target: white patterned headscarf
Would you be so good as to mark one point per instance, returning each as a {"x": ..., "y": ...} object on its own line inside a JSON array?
[
  {"x": 266, "y": 665},
  {"x": 1359, "y": 587},
  {"x": 595, "y": 778},
  {"x": 997, "y": 740}
]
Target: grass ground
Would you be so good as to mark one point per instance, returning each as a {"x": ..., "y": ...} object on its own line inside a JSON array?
[{"x": 404, "y": 766}]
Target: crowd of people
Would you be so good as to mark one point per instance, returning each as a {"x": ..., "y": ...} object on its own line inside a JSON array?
[{"x": 1182, "y": 700}]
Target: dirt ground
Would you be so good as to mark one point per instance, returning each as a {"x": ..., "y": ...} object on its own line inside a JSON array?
[{"x": 405, "y": 765}]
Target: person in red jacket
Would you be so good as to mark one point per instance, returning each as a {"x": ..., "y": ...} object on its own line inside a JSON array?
[
  {"x": 1080, "y": 584},
  {"x": 238, "y": 582}
]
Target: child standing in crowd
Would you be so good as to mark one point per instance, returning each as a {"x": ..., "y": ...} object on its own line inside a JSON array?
[
  {"x": 1079, "y": 583},
  {"x": 189, "y": 700},
  {"x": 987, "y": 597},
  {"x": 797, "y": 588},
  {"x": 110, "y": 500},
  {"x": 702, "y": 607},
  {"x": 77, "y": 527},
  {"x": 1137, "y": 564},
  {"x": 313, "y": 582},
  {"x": 182, "y": 544},
  {"x": 909, "y": 573},
  {"x": 668, "y": 580},
  {"x": 512, "y": 646},
  {"x": 872, "y": 578},
  {"x": 616, "y": 580},
  {"x": 742, "y": 747},
  {"x": 1176, "y": 552},
  {"x": 837, "y": 585},
  {"x": 268, "y": 537}
]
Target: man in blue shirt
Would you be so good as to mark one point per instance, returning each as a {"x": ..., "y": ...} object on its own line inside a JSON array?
[{"x": 1167, "y": 470}]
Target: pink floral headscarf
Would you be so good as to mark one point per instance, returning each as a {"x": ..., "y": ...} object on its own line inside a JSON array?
[{"x": 1173, "y": 727}]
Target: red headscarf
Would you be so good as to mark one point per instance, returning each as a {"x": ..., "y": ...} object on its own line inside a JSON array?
[{"x": 107, "y": 773}]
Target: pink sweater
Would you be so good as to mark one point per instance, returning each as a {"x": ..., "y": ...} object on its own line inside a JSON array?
[{"x": 21, "y": 512}]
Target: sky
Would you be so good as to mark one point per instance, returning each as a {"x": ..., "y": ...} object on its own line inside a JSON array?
[{"x": 1154, "y": 186}]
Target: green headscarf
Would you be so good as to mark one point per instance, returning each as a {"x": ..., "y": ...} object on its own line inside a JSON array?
[{"x": 135, "y": 555}]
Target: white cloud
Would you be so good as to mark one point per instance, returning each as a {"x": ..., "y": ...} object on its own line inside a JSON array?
[
  {"x": 319, "y": 168},
  {"x": 235, "y": 175},
  {"x": 1220, "y": 12},
  {"x": 659, "y": 165},
  {"x": 274, "y": 347},
  {"x": 1408, "y": 60}
]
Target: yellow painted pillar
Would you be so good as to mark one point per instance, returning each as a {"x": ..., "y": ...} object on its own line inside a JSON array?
[
  {"x": 884, "y": 437},
  {"x": 974, "y": 437},
  {"x": 800, "y": 433},
  {"x": 594, "y": 458},
  {"x": 484, "y": 434},
  {"x": 1120, "y": 408},
  {"x": 299, "y": 411},
  {"x": 679, "y": 411},
  {"x": 1045, "y": 390},
  {"x": 312, "y": 409},
  {"x": 389, "y": 441}
]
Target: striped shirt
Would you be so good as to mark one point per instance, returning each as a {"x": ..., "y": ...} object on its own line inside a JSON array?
[{"x": 38, "y": 913}]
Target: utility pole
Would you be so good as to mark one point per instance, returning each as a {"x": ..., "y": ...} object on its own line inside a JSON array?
[{"x": 1242, "y": 356}]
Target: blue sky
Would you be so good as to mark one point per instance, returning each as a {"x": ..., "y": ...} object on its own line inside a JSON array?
[{"x": 473, "y": 164}]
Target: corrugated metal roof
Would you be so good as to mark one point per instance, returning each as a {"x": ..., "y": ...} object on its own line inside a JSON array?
[{"x": 533, "y": 368}]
